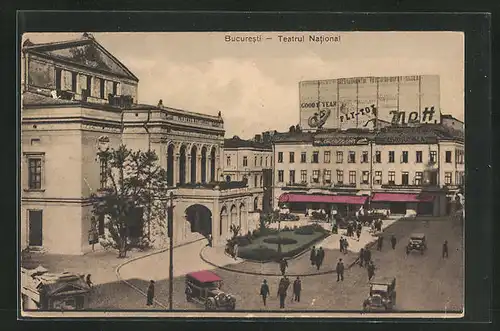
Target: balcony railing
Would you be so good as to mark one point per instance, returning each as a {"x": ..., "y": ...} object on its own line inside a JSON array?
[
  {"x": 215, "y": 185},
  {"x": 345, "y": 185}
]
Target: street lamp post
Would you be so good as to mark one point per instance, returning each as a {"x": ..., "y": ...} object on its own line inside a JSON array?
[{"x": 171, "y": 239}]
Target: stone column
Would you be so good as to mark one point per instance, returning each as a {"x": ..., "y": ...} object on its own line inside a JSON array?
[
  {"x": 198, "y": 168},
  {"x": 188, "y": 168},
  {"x": 177, "y": 177}
]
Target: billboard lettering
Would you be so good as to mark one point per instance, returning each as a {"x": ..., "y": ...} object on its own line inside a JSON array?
[{"x": 359, "y": 102}]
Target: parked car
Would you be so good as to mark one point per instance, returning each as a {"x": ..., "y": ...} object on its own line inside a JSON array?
[
  {"x": 382, "y": 295},
  {"x": 417, "y": 242},
  {"x": 204, "y": 288}
]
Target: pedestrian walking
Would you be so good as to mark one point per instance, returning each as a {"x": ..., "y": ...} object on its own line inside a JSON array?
[
  {"x": 283, "y": 266},
  {"x": 358, "y": 233},
  {"x": 445, "y": 249},
  {"x": 361, "y": 257},
  {"x": 368, "y": 256},
  {"x": 341, "y": 244},
  {"x": 89, "y": 281},
  {"x": 312, "y": 257},
  {"x": 297, "y": 288},
  {"x": 320, "y": 256},
  {"x": 235, "y": 251},
  {"x": 264, "y": 291},
  {"x": 151, "y": 293},
  {"x": 346, "y": 245},
  {"x": 393, "y": 242},
  {"x": 209, "y": 237},
  {"x": 371, "y": 270},
  {"x": 282, "y": 289},
  {"x": 380, "y": 242},
  {"x": 340, "y": 270}
]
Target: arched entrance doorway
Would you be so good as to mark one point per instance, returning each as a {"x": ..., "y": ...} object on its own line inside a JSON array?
[
  {"x": 203, "y": 164},
  {"x": 182, "y": 165},
  {"x": 234, "y": 215},
  {"x": 243, "y": 214},
  {"x": 170, "y": 165},
  {"x": 200, "y": 219},
  {"x": 256, "y": 203},
  {"x": 193, "y": 164},
  {"x": 212, "y": 165}
]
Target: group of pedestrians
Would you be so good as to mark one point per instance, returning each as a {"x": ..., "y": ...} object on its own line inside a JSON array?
[
  {"x": 344, "y": 244},
  {"x": 283, "y": 286},
  {"x": 317, "y": 257}
]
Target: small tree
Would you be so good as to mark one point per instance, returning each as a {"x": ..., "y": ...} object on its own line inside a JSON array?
[
  {"x": 133, "y": 180},
  {"x": 235, "y": 229}
]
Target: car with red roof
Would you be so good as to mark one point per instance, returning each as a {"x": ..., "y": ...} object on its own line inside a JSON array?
[{"x": 204, "y": 288}]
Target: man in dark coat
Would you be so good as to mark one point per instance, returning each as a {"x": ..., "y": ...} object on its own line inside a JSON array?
[
  {"x": 341, "y": 244},
  {"x": 345, "y": 245},
  {"x": 264, "y": 291},
  {"x": 445, "y": 249},
  {"x": 297, "y": 288},
  {"x": 371, "y": 270},
  {"x": 340, "y": 270},
  {"x": 380, "y": 242},
  {"x": 358, "y": 233},
  {"x": 282, "y": 289},
  {"x": 368, "y": 256},
  {"x": 151, "y": 293},
  {"x": 283, "y": 266},
  {"x": 393, "y": 242},
  {"x": 361, "y": 257},
  {"x": 320, "y": 256},
  {"x": 312, "y": 257}
]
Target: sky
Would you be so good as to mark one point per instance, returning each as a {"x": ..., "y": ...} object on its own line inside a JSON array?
[{"x": 255, "y": 84}]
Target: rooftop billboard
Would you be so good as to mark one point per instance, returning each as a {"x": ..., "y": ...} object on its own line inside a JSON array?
[{"x": 359, "y": 102}]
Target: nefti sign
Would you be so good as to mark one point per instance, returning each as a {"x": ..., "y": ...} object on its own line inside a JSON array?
[{"x": 357, "y": 102}]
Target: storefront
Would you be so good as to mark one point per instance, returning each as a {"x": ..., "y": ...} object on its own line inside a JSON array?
[
  {"x": 404, "y": 203},
  {"x": 299, "y": 203}
]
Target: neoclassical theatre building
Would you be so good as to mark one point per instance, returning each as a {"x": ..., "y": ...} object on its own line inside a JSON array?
[{"x": 78, "y": 98}]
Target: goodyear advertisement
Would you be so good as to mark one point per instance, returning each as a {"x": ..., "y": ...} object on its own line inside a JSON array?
[{"x": 359, "y": 102}]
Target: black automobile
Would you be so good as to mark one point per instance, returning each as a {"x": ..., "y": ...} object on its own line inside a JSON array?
[{"x": 417, "y": 242}]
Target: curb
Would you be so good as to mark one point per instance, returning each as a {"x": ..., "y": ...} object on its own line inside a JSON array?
[
  {"x": 117, "y": 270},
  {"x": 263, "y": 273}
]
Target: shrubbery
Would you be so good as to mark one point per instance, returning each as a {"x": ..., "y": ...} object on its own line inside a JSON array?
[
  {"x": 280, "y": 240},
  {"x": 310, "y": 229}
]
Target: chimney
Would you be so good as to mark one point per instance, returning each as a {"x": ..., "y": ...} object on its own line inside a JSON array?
[
  {"x": 257, "y": 138},
  {"x": 160, "y": 104}
]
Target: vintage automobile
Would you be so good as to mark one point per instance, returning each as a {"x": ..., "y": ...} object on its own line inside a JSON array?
[
  {"x": 382, "y": 295},
  {"x": 204, "y": 287},
  {"x": 417, "y": 242}
]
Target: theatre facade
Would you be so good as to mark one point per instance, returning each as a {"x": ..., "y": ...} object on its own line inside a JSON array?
[{"x": 77, "y": 98}]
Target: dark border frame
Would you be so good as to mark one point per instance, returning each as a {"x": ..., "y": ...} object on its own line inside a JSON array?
[{"x": 476, "y": 26}]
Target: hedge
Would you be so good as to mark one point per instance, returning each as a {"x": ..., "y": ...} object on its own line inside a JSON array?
[{"x": 280, "y": 240}]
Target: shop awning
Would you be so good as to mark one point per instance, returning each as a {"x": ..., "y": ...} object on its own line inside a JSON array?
[
  {"x": 318, "y": 198},
  {"x": 401, "y": 197}
]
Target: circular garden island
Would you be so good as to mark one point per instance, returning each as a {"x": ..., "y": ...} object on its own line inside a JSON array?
[{"x": 268, "y": 245}]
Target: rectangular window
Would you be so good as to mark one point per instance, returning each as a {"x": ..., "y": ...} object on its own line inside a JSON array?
[
  {"x": 228, "y": 161},
  {"x": 391, "y": 156},
  {"x": 315, "y": 178},
  {"x": 280, "y": 176},
  {"x": 255, "y": 161},
  {"x": 404, "y": 178},
  {"x": 256, "y": 181},
  {"x": 447, "y": 178},
  {"x": 377, "y": 179},
  {"x": 102, "y": 85},
  {"x": 261, "y": 161},
  {"x": 35, "y": 228},
  {"x": 433, "y": 157},
  {"x": 58, "y": 79},
  {"x": 459, "y": 156},
  {"x": 315, "y": 157},
  {"x": 34, "y": 173},
  {"x": 365, "y": 177},
  {"x": 340, "y": 157},
  {"x": 292, "y": 157},
  {"x": 280, "y": 158},
  {"x": 459, "y": 178},
  {"x": 404, "y": 157},
  {"x": 74, "y": 77},
  {"x": 340, "y": 176},
  {"x": 115, "y": 88},
  {"x": 418, "y": 178},
  {"x": 448, "y": 157},
  {"x": 267, "y": 161},
  {"x": 292, "y": 176},
  {"x": 352, "y": 177},
  {"x": 418, "y": 157},
  {"x": 328, "y": 176},
  {"x": 103, "y": 173},
  {"x": 327, "y": 157},
  {"x": 364, "y": 157},
  {"x": 392, "y": 178},
  {"x": 303, "y": 157},
  {"x": 352, "y": 157},
  {"x": 378, "y": 157},
  {"x": 245, "y": 161},
  {"x": 303, "y": 176}
]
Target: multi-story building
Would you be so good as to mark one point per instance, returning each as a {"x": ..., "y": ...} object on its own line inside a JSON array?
[
  {"x": 78, "y": 98},
  {"x": 400, "y": 169},
  {"x": 250, "y": 161}
]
